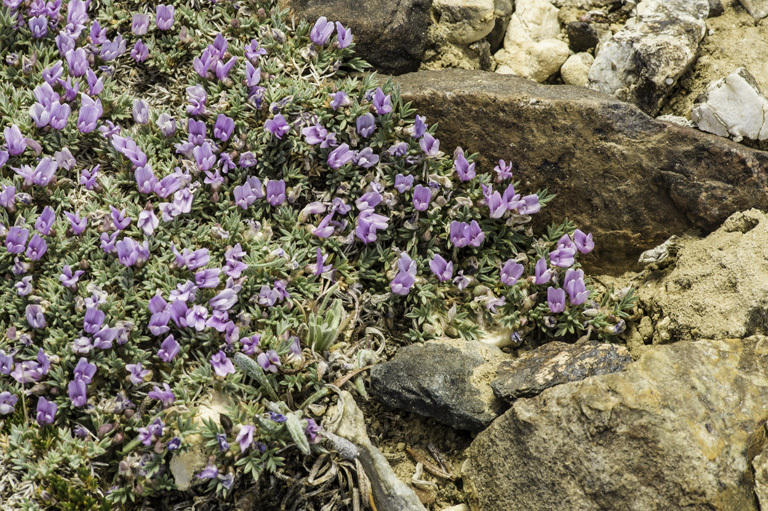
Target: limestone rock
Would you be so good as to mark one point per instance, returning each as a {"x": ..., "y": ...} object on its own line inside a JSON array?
[
  {"x": 582, "y": 36},
  {"x": 643, "y": 60},
  {"x": 758, "y": 9},
  {"x": 575, "y": 71},
  {"x": 630, "y": 180},
  {"x": 389, "y": 35},
  {"x": 556, "y": 363},
  {"x": 464, "y": 21},
  {"x": 531, "y": 48},
  {"x": 717, "y": 287},
  {"x": 448, "y": 380},
  {"x": 733, "y": 106},
  {"x": 758, "y": 451},
  {"x": 672, "y": 431}
]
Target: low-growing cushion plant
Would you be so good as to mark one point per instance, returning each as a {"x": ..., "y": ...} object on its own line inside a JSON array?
[{"x": 209, "y": 199}]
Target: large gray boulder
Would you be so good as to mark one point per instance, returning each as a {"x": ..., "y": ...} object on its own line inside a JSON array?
[
  {"x": 672, "y": 431},
  {"x": 389, "y": 35},
  {"x": 631, "y": 180},
  {"x": 642, "y": 62}
]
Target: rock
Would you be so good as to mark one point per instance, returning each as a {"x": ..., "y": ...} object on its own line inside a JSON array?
[
  {"x": 717, "y": 288},
  {"x": 575, "y": 71},
  {"x": 758, "y": 9},
  {"x": 643, "y": 60},
  {"x": 448, "y": 380},
  {"x": 588, "y": 5},
  {"x": 531, "y": 48},
  {"x": 677, "y": 119},
  {"x": 757, "y": 450},
  {"x": 672, "y": 431},
  {"x": 556, "y": 363},
  {"x": 715, "y": 8},
  {"x": 464, "y": 21},
  {"x": 389, "y": 492},
  {"x": 630, "y": 180},
  {"x": 582, "y": 36},
  {"x": 733, "y": 106},
  {"x": 502, "y": 10},
  {"x": 389, "y": 35}
]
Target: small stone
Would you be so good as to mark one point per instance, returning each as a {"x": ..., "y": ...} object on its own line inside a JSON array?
[
  {"x": 758, "y": 9},
  {"x": 556, "y": 363},
  {"x": 715, "y": 8},
  {"x": 733, "y": 106},
  {"x": 447, "y": 379},
  {"x": 465, "y": 21},
  {"x": 575, "y": 71},
  {"x": 582, "y": 36}
]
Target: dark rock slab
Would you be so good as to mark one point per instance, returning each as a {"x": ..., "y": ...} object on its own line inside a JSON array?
[
  {"x": 631, "y": 180},
  {"x": 447, "y": 380},
  {"x": 556, "y": 363},
  {"x": 673, "y": 431},
  {"x": 390, "y": 35},
  {"x": 582, "y": 36}
]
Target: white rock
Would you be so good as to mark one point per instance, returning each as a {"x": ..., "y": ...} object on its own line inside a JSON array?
[
  {"x": 464, "y": 21},
  {"x": 575, "y": 71},
  {"x": 643, "y": 60},
  {"x": 758, "y": 9},
  {"x": 537, "y": 61},
  {"x": 534, "y": 20},
  {"x": 733, "y": 106}
]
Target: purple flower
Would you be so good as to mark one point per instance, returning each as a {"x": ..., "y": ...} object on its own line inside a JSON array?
[
  {"x": 277, "y": 417},
  {"x": 253, "y": 51},
  {"x": 277, "y": 126},
  {"x": 402, "y": 283},
  {"x": 223, "y": 69},
  {"x": 541, "y": 273},
  {"x": 46, "y": 411},
  {"x": 419, "y": 127},
  {"x": 320, "y": 267},
  {"x": 340, "y": 156},
  {"x": 77, "y": 393},
  {"x": 78, "y": 225},
  {"x": 68, "y": 278},
  {"x": 340, "y": 99},
  {"x": 14, "y": 140},
  {"x": 44, "y": 171},
  {"x": 529, "y": 205},
  {"x": 315, "y": 134},
  {"x": 429, "y": 145},
  {"x": 344, "y": 36},
  {"x": 119, "y": 219},
  {"x": 110, "y": 50},
  {"x": 140, "y": 53},
  {"x": 164, "y": 16},
  {"x": 458, "y": 234},
  {"x": 37, "y": 248},
  {"x": 562, "y": 257},
  {"x": 98, "y": 34},
  {"x": 70, "y": 88},
  {"x": 221, "y": 364},
  {"x": 3, "y": 159},
  {"x": 321, "y": 31},
  {"x": 555, "y": 300},
  {"x": 90, "y": 112},
  {"x": 26, "y": 372},
  {"x": 8, "y": 401},
  {"x": 167, "y": 125},
  {"x": 442, "y": 268},
  {"x": 53, "y": 73},
  {"x": 8, "y": 197},
  {"x": 130, "y": 252},
  {"x": 312, "y": 431},
  {"x": 223, "y": 128},
  {"x": 573, "y": 283},
  {"x": 583, "y": 241},
  {"x": 366, "y": 158},
  {"x": 249, "y": 344},
  {"x": 275, "y": 192},
  {"x": 77, "y": 62},
  {"x": 84, "y": 371},
  {"x": 244, "y": 437},
  {"x": 493, "y": 303},
  {"x": 222, "y": 441},
  {"x": 503, "y": 170},
  {"x": 140, "y": 24},
  {"x": 269, "y": 361},
  {"x": 165, "y": 396},
  {"x": 137, "y": 373},
  {"x": 368, "y": 222},
  {"x": 403, "y": 183},
  {"x": 209, "y": 472},
  {"x": 421, "y": 197},
  {"x": 140, "y": 111},
  {"x": 59, "y": 115},
  {"x": 511, "y": 272},
  {"x": 24, "y": 287},
  {"x": 464, "y": 169},
  {"x": 204, "y": 156},
  {"x": 94, "y": 319},
  {"x": 366, "y": 124},
  {"x": 6, "y": 363},
  {"x": 168, "y": 349},
  {"x": 197, "y": 98},
  {"x": 64, "y": 43},
  {"x": 16, "y": 239},
  {"x": 174, "y": 444},
  {"x": 381, "y": 102},
  {"x": 38, "y": 26}
]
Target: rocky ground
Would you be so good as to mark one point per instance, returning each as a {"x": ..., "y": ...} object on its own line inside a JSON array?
[{"x": 675, "y": 417}]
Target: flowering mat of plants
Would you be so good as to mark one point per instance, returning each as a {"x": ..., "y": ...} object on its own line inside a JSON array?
[{"x": 210, "y": 198}]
